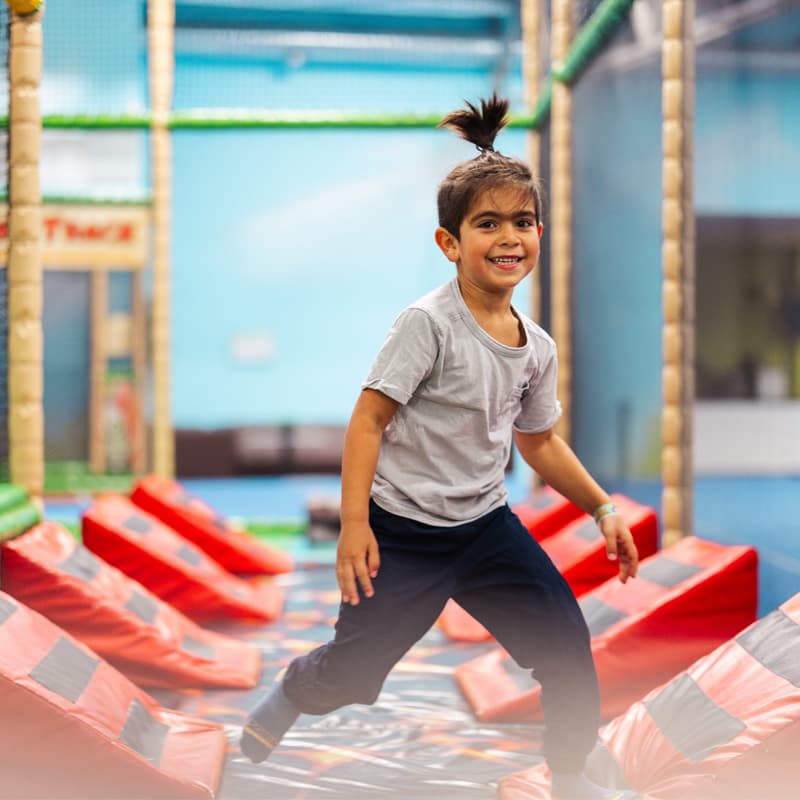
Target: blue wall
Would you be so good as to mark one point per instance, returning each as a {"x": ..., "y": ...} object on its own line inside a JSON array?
[{"x": 312, "y": 240}]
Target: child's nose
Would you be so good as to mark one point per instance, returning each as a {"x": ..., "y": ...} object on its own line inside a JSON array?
[{"x": 509, "y": 232}]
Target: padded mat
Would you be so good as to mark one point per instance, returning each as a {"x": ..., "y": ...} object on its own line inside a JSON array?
[{"x": 420, "y": 741}]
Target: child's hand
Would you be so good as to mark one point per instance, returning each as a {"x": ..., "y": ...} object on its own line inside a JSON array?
[
  {"x": 620, "y": 545},
  {"x": 357, "y": 559}
]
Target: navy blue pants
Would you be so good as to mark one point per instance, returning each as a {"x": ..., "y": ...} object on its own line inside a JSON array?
[{"x": 496, "y": 571}]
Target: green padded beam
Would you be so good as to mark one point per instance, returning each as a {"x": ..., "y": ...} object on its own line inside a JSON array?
[
  {"x": 11, "y": 496},
  {"x": 77, "y": 200},
  {"x": 18, "y": 520},
  {"x": 591, "y": 38}
]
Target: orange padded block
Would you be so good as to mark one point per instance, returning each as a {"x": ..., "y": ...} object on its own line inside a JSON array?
[
  {"x": 150, "y": 552},
  {"x": 686, "y": 601},
  {"x": 150, "y": 642},
  {"x": 76, "y": 729},
  {"x": 546, "y": 512},
  {"x": 579, "y": 552},
  {"x": 236, "y": 550}
]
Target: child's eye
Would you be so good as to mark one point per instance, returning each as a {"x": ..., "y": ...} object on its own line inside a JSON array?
[
  {"x": 487, "y": 223},
  {"x": 525, "y": 223}
]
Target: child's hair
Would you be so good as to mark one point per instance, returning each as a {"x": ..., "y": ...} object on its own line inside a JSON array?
[{"x": 490, "y": 169}]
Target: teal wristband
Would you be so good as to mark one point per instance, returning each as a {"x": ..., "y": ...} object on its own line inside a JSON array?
[{"x": 603, "y": 511}]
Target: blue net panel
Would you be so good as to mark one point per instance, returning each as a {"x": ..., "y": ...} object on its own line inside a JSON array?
[
  {"x": 94, "y": 57},
  {"x": 398, "y": 57}
]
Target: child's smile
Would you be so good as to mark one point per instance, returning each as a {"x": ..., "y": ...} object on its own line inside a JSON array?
[{"x": 498, "y": 242}]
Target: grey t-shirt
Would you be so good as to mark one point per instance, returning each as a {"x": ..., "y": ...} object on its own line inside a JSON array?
[{"x": 443, "y": 456}]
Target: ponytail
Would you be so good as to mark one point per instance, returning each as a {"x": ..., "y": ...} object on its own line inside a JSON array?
[{"x": 479, "y": 126}]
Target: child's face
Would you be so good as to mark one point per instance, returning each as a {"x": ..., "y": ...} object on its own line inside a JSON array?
[{"x": 499, "y": 240}]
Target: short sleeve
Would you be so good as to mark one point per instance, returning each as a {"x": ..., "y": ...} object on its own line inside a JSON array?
[
  {"x": 540, "y": 408},
  {"x": 406, "y": 357}
]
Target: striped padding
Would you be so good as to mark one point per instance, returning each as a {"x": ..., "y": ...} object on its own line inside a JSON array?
[
  {"x": 189, "y": 555},
  {"x": 137, "y": 524},
  {"x": 588, "y": 531},
  {"x": 65, "y": 670},
  {"x": 144, "y": 606},
  {"x": 182, "y": 499},
  {"x": 690, "y": 720},
  {"x": 81, "y": 564},
  {"x": 221, "y": 524},
  {"x": 144, "y": 734},
  {"x": 667, "y": 572},
  {"x": 599, "y": 616},
  {"x": 197, "y": 648},
  {"x": 7, "y": 608},
  {"x": 775, "y": 643}
]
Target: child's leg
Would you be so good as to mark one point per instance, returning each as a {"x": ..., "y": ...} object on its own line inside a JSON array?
[
  {"x": 413, "y": 584},
  {"x": 512, "y": 587}
]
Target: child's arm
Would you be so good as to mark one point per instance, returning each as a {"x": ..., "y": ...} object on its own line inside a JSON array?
[
  {"x": 357, "y": 557},
  {"x": 553, "y": 460}
]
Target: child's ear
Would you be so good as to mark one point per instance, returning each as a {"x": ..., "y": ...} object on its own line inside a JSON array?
[
  {"x": 539, "y": 229},
  {"x": 448, "y": 244}
]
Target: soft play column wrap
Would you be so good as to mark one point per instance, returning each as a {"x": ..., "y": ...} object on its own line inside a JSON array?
[
  {"x": 161, "y": 69},
  {"x": 678, "y": 266},
  {"x": 24, "y": 361}
]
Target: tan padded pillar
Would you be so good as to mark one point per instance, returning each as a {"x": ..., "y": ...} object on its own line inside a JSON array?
[
  {"x": 561, "y": 210},
  {"x": 25, "y": 338},
  {"x": 678, "y": 269},
  {"x": 161, "y": 50}
]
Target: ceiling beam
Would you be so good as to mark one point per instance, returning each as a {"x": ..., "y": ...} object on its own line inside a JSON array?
[
  {"x": 709, "y": 27},
  {"x": 480, "y": 8}
]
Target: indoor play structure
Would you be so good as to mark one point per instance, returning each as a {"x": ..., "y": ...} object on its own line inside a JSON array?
[{"x": 135, "y": 640}]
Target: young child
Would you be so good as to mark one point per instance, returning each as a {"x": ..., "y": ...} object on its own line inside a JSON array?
[{"x": 423, "y": 509}]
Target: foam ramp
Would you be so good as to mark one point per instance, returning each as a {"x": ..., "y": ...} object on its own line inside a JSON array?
[
  {"x": 727, "y": 728},
  {"x": 150, "y": 552},
  {"x": 579, "y": 550},
  {"x": 579, "y": 553},
  {"x": 75, "y": 728},
  {"x": 150, "y": 642},
  {"x": 546, "y": 512},
  {"x": 686, "y": 600},
  {"x": 236, "y": 550}
]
